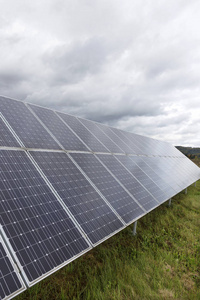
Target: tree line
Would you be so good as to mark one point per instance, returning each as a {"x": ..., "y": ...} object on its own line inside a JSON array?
[{"x": 190, "y": 152}]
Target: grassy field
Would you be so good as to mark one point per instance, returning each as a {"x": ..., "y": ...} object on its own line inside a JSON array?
[{"x": 161, "y": 262}]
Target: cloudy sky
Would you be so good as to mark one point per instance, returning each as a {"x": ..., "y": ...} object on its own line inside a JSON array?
[{"x": 131, "y": 64}]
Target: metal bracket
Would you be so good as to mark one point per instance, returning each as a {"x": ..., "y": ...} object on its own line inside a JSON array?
[{"x": 134, "y": 228}]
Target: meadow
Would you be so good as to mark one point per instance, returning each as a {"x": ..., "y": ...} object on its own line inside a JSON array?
[{"x": 161, "y": 262}]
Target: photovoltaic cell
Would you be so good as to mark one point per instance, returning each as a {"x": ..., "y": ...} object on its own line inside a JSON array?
[
  {"x": 10, "y": 282},
  {"x": 159, "y": 167},
  {"x": 136, "y": 148},
  {"x": 25, "y": 125},
  {"x": 115, "y": 138},
  {"x": 133, "y": 168},
  {"x": 165, "y": 192},
  {"x": 190, "y": 171},
  {"x": 87, "y": 137},
  {"x": 115, "y": 194},
  {"x": 129, "y": 181},
  {"x": 39, "y": 230},
  {"x": 93, "y": 214},
  {"x": 102, "y": 137},
  {"x": 6, "y": 137},
  {"x": 63, "y": 134},
  {"x": 132, "y": 142}
]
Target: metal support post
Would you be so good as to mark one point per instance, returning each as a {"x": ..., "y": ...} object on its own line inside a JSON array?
[
  {"x": 134, "y": 228},
  {"x": 170, "y": 202},
  {"x": 186, "y": 191},
  {"x": 195, "y": 184}
]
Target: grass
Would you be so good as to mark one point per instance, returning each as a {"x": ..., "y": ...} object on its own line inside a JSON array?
[{"x": 161, "y": 262}]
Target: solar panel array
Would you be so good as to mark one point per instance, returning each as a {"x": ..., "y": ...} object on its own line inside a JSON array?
[{"x": 68, "y": 184}]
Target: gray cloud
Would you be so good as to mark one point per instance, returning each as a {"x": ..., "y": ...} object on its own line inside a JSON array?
[{"x": 130, "y": 65}]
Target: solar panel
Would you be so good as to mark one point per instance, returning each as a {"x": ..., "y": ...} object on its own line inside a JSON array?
[
  {"x": 89, "y": 139},
  {"x": 11, "y": 283},
  {"x": 115, "y": 138},
  {"x": 90, "y": 210},
  {"x": 25, "y": 125},
  {"x": 6, "y": 137},
  {"x": 142, "y": 195},
  {"x": 116, "y": 195},
  {"x": 40, "y": 231},
  {"x": 63, "y": 134},
  {"x": 136, "y": 147},
  {"x": 166, "y": 190},
  {"x": 67, "y": 184},
  {"x": 152, "y": 188},
  {"x": 160, "y": 167},
  {"x": 102, "y": 137}
]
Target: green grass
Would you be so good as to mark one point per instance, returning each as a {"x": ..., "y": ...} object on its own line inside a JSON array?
[{"x": 161, "y": 262}]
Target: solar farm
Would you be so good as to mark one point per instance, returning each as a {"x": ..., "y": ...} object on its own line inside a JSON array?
[{"x": 68, "y": 184}]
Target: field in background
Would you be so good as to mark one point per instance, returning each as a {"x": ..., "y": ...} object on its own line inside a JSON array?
[{"x": 161, "y": 262}]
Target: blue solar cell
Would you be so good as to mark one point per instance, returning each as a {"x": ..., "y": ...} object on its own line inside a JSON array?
[
  {"x": 86, "y": 136},
  {"x": 129, "y": 181},
  {"x": 10, "y": 282},
  {"x": 165, "y": 193},
  {"x": 90, "y": 210},
  {"x": 63, "y": 134},
  {"x": 170, "y": 179},
  {"x": 25, "y": 125},
  {"x": 144, "y": 179},
  {"x": 115, "y": 194},
  {"x": 102, "y": 137},
  {"x": 40, "y": 231},
  {"x": 6, "y": 137},
  {"x": 115, "y": 137}
]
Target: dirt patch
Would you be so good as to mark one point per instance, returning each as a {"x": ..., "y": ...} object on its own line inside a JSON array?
[
  {"x": 188, "y": 282},
  {"x": 169, "y": 270},
  {"x": 166, "y": 294}
]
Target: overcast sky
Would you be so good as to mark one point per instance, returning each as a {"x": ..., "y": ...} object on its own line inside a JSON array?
[{"x": 131, "y": 64}]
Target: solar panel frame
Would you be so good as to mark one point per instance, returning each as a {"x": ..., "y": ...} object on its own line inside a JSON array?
[{"x": 13, "y": 273}]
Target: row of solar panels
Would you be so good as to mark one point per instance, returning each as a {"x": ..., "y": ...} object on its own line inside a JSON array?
[
  {"x": 55, "y": 206},
  {"x": 42, "y": 128}
]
